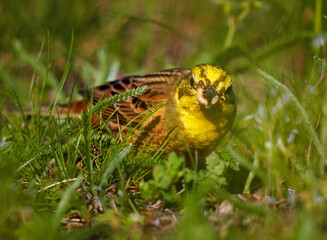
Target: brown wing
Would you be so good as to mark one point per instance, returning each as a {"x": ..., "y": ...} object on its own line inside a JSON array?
[{"x": 160, "y": 86}]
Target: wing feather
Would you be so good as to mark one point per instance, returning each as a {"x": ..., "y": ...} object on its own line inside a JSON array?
[{"x": 160, "y": 87}]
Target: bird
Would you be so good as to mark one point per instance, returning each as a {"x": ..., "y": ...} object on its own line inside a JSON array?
[{"x": 183, "y": 110}]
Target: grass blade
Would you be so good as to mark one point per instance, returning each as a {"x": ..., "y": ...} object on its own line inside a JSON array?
[{"x": 307, "y": 124}]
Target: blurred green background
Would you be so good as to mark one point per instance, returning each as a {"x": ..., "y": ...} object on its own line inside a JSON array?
[
  {"x": 111, "y": 39},
  {"x": 144, "y": 36}
]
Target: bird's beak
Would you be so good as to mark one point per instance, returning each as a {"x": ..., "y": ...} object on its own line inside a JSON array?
[
  {"x": 206, "y": 96},
  {"x": 211, "y": 94}
]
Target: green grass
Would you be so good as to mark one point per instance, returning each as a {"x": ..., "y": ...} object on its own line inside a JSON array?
[{"x": 64, "y": 179}]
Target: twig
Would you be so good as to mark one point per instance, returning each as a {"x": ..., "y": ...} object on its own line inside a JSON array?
[
  {"x": 181, "y": 191},
  {"x": 58, "y": 183}
]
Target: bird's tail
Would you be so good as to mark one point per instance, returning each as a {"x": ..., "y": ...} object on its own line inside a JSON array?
[{"x": 70, "y": 110}]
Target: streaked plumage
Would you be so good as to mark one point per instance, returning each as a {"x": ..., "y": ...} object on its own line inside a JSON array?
[{"x": 196, "y": 107}]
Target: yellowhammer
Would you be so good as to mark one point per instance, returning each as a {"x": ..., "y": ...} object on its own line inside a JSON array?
[{"x": 191, "y": 108}]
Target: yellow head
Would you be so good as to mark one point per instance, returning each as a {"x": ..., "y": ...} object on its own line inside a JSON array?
[{"x": 205, "y": 86}]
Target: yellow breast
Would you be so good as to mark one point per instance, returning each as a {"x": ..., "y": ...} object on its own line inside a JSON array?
[
  {"x": 200, "y": 128},
  {"x": 197, "y": 129}
]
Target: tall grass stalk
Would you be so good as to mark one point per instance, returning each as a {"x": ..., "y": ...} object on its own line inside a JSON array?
[{"x": 297, "y": 105}]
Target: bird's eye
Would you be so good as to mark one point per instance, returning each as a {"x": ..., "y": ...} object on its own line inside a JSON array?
[
  {"x": 192, "y": 82},
  {"x": 229, "y": 89}
]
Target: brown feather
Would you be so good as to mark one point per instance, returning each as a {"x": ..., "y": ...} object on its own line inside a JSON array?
[{"x": 160, "y": 87}]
